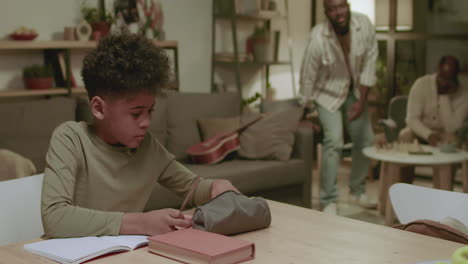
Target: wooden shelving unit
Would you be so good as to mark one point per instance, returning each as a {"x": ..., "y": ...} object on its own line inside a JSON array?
[
  {"x": 63, "y": 44},
  {"x": 67, "y": 46},
  {"x": 233, "y": 18},
  {"x": 33, "y": 93},
  {"x": 257, "y": 63}
]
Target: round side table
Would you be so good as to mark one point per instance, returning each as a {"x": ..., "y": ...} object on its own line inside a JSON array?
[{"x": 393, "y": 162}]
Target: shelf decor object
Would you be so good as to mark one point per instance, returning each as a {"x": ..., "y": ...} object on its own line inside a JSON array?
[
  {"x": 83, "y": 31},
  {"x": 152, "y": 20},
  {"x": 24, "y": 33},
  {"x": 262, "y": 47},
  {"x": 57, "y": 54},
  {"x": 38, "y": 77},
  {"x": 100, "y": 20}
]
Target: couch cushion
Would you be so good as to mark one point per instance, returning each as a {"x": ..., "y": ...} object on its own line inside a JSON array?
[
  {"x": 28, "y": 125},
  {"x": 83, "y": 112},
  {"x": 249, "y": 176},
  {"x": 162, "y": 198},
  {"x": 158, "y": 125},
  {"x": 254, "y": 175},
  {"x": 210, "y": 127},
  {"x": 184, "y": 109},
  {"x": 272, "y": 137}
]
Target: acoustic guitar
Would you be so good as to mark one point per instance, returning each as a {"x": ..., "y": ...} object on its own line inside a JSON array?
[{"x": 215, "y": 149}]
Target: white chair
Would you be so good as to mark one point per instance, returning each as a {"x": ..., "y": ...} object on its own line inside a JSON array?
[
  {"x": 20, "y": 209},
  {"x": 411, "y": 203}
]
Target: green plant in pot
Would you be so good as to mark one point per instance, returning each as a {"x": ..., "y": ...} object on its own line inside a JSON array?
[
  {"x": 100, "y": 20},
  {"x": 38, "y": 77},
  {"x": 261, "y": 44}
]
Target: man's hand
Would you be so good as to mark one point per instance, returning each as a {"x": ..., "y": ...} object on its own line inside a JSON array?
[
  {"x": 380, "y": 141},
  {"x": 434, "y": 139},
  {"x": 153, "y": 222},
  {"x": 220, "y": 186},
  {"x": 355, "y": 111}
]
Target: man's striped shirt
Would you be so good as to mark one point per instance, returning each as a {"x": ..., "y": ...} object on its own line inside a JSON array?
[{"x": 325, "y": 78}]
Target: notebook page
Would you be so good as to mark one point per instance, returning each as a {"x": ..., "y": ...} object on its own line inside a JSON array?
[
  {"x": 128, "y": 241},
  {"x": 71, "y": 250}
]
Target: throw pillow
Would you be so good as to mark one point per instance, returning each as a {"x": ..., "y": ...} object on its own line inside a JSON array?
[
  {"x": 272, "y": 137},
  {"x": 210, "y": 127},
  {"x": 435, "y": 229}
]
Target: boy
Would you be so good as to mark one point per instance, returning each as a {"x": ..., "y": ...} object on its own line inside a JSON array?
[{"x": 99, "y": 176}]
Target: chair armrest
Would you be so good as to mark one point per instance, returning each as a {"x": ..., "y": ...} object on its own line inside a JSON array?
[
  {"x": 303, "y": 149},
  {"x": 387, "y": 123},
  {"x": 303, "y": 144},
  {"x": 390, "y": 129}
]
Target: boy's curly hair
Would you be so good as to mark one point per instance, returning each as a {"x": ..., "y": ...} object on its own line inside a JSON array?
[{"x": 124, "y": 64}]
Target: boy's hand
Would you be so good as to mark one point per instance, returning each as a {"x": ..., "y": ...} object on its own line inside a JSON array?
[
  {"x": 220, "y": 186},
  {"x": 163, "y": 221},
  {"x": 154, "y": 222}
]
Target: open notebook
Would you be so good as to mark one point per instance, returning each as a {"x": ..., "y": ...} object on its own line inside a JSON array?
[{"x": 77, "y": 250}]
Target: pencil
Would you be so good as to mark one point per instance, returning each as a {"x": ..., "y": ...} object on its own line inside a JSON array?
[{"x": 189, "y": 195}]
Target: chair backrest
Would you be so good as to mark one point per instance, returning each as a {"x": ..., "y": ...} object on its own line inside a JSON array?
[
  {"x": 20, "y": 209},
  {"x": 279, "y": 105},
  {"x": 411, "y": 203},
  {"x": 397, "y": 110}
]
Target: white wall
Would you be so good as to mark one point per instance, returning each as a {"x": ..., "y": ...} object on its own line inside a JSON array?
[
  {"x": 47, "y": 16},
  {"x": 186, "y": 21},
  {"x": 299, "y": 25}
]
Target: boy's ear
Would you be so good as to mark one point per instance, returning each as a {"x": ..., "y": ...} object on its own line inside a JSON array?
[{"x": 97, "y": 107}]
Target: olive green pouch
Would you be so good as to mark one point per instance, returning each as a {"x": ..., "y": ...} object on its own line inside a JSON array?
[{"x": 232, "y": 213}]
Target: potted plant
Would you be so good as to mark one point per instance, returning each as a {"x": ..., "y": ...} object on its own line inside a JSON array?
[
  {"x": 98, "y": 18},
  {"x": 151, "y": 24},
  {"x": 38, "y": 77},
  {"x": 260, "y": 45}
]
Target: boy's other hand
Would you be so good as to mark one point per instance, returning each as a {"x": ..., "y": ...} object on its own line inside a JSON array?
[
  {"x": 164, "y": 220},
  {"x": 220, "y": 186}
]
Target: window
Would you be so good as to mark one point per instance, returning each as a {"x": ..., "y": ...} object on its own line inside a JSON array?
[{"x": 378, "y": 12}]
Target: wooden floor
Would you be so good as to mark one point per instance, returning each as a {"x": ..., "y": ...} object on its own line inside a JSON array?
[{"x": 345, "y": 209}]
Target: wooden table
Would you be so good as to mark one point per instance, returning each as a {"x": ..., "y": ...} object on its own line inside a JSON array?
[
  {"x": 393, "y": 162},
  {"x": 300, "y": 235}
]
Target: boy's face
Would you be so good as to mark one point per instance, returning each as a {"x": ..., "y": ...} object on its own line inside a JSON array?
[{"x": 126, "y": 120}]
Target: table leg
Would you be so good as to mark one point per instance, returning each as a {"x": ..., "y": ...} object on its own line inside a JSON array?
[
  {"x": 442, "y": 177},
  {"x": 465, "y": 176},
  {"x": 394, "y": 176},
  {"x": 383, "y": 187}
]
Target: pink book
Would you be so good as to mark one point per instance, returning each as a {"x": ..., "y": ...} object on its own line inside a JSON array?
[{"x": 196, "y": 246}]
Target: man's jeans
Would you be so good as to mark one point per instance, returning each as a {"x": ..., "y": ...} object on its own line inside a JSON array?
[{"x": 361, "y": 135}]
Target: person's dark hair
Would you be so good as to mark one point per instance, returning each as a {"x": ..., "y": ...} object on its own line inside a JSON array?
[
  {"x": 124, "y": 64},
  {"x": 450, "y": 57}
]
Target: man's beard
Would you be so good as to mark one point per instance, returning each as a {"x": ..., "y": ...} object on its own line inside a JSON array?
[{"x": 341, "y": 29}]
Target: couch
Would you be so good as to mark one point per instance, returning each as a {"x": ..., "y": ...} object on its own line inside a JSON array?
[{"x": 29, "y": 124}]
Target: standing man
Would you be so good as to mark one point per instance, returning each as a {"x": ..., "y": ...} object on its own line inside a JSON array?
[{"x": 338, "y": 69}]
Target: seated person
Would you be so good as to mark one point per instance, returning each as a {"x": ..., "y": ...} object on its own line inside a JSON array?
[
  {"x": 437, "y": 105},
  {"x": 437, "y": 108},
  {"x": 99, "y": 176}
]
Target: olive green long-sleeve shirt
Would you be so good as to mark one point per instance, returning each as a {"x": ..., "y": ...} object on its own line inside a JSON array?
[{"x": 89, "y": 184}]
